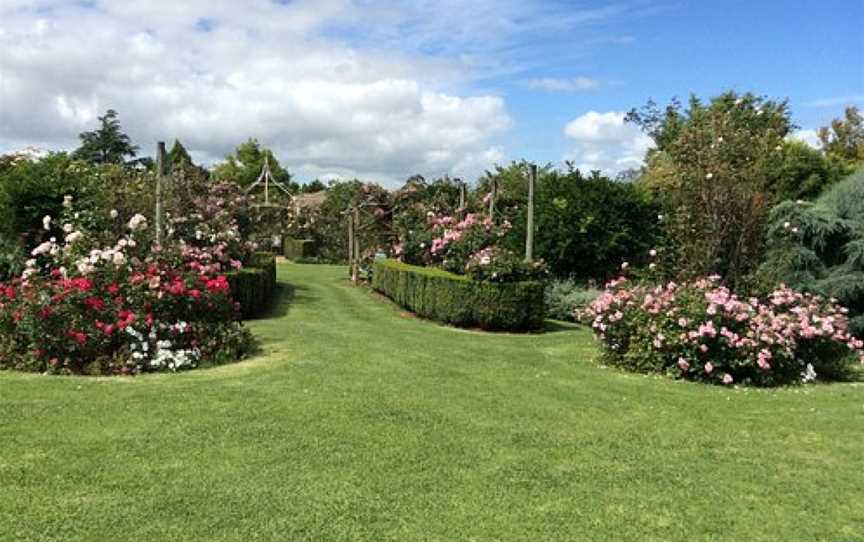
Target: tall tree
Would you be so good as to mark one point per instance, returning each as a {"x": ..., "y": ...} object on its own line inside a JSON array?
[
  {"x": 244, "y": 165},
  {"x": 716, "y": 169},
  {"x": 106, "y": 145},
  {"x": 178, "y": 155},
  {"x": 843, "y": 140}
]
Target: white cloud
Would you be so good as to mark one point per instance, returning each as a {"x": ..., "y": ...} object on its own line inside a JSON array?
[
  {"x": 255, "y": 69},
  {"x": 604, "y": 141},
  {"x": 574, "y": 84},
  {"x": 836, "y": 100},
  {"x": 808, "y": 136}
]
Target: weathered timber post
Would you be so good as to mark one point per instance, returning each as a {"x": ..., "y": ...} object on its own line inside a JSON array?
[
  {"x": 529, "y": 236},
  {"x": 493, "y": 195},
  {"x": 161, "y": 165},
  {"x": 356, "y": 244},
  {"x": 351, "y": 242}
]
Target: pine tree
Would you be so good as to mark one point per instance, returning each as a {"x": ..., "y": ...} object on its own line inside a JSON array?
[
  {"x": 108, "y": 144},
  {"x": 178, "y": 156},
  {"x": 819, "y": 246}
]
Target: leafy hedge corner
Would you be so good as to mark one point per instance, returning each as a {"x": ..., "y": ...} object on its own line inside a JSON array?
[
  {"x": 253, "y": 286},
  {"x": 458, "y": 300},
  {"x": 294, "y": 249}
]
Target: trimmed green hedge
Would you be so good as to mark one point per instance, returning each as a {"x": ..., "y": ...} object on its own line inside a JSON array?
[
  {"x": 254, "y": 286},
  {"x": 299, "y": 248},
  {"x": 459, "y": 301}
]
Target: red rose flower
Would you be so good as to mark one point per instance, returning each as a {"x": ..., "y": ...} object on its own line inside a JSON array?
[{"x": 94, "y": 304}]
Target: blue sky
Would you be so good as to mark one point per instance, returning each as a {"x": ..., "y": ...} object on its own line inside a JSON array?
[
  {"x": 807, "y": 51},
  {"x": 383, "y": 89}
]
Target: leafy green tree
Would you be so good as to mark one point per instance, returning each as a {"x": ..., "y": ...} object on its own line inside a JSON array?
[
  {"x": 245, "y": 164},
  {"x": 716, "y": 171},
  {"x": 106, "y": 145},
  {"x": 804, "y": 172},
  {"x": 33, "y": 189},
  {"x": 843, "y": 140},
  {"x": 314, "y": 186},
  {"x": 331, "y": 225},
  {"x": 587, "y": 226}
]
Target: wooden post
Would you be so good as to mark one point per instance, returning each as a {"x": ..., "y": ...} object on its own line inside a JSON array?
[
  {"x": 461, "y": 196},
  {"x": 355, "y": 270},
  {"x": 492, "y": 197},
  {"x": 161, "y": 163},
  {"x": 529, "y": 236},
  {"x": 351, "y": 243}
]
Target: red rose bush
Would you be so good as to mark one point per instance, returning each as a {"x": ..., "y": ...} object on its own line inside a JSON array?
[{"x": 124, "y": 308}]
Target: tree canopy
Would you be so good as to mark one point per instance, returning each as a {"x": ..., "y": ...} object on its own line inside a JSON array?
[
  {"x": 107, "y": 144},
  {"x": 245, "y": 164}
]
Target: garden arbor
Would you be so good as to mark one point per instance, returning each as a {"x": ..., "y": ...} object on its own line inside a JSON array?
[{"x": 271, "y": 215}]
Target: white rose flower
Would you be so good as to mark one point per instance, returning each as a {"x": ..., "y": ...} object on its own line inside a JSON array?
[
  {"x": 113, "y": 213},
  {"x": 137, "y": 222},
  {"x": 46, "y": 222}
]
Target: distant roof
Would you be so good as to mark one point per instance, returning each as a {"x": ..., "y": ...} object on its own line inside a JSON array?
[{"x": 312, "y": 200}]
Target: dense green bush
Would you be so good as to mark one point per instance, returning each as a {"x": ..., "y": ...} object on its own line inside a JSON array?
[
  {"x": 253, "y": 287},
  {"x": 565, "y": 297},
  {"x": 298, "y": 248},
  {"x": 819, "y": 247},
  {"x": 585, "y": 226},
  {"x": 460, "y": 301}
]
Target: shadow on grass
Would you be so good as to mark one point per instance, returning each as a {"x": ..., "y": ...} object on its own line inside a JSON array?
[
  {"x": 558, "y": 326},
  {"x": 286, "y": 296}
]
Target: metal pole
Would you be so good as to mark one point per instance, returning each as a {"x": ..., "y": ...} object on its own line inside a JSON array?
[
  {"x": 161, "y": 162},
  {"x": 529, "y": 237}
]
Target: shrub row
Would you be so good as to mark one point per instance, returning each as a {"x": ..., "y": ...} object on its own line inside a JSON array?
[
  {"x": 294, "y": 249},
  {"x": 459, "y": 301},
  {"x": 253, "y": 287}
]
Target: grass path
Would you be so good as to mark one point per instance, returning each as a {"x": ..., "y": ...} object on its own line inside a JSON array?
[{"x": 358, "y": 423}]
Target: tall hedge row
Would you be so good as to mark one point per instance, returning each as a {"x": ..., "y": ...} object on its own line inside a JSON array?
[
  {"x": 299, "y": 248},
  {"x": 254, "y": 286},
  {"x": 460, "y": 301}
]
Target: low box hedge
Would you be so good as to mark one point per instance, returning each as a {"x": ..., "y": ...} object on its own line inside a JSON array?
[
  {"x": 254, "y": 285},
  {"x": 294, "y": 249},
  {"x": 459, "y": 301}
]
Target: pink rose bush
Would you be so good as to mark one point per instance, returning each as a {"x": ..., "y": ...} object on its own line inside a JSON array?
[
  {"x": 128, "y": 307},
  {"x": 466, "y": 246},
  {"x": 702, "y": 331}
]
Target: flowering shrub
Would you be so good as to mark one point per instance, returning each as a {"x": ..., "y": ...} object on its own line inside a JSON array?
[
  {"x": 466, "y": 246},
  {"x": 209, "y": 232},
  {"x": 495, "y": 264},
  {"x": 702, "y": 331},
  {"x": 124, "y": 308}
]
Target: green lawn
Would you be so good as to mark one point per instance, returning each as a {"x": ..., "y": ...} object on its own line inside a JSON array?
[{"x": 360, "y": 423}]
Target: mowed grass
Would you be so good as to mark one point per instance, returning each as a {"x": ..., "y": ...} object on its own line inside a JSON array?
[{"x": 358, "y": 422}]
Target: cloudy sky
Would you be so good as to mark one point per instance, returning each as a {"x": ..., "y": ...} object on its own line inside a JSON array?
[{"x": 385, "y": 89}]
